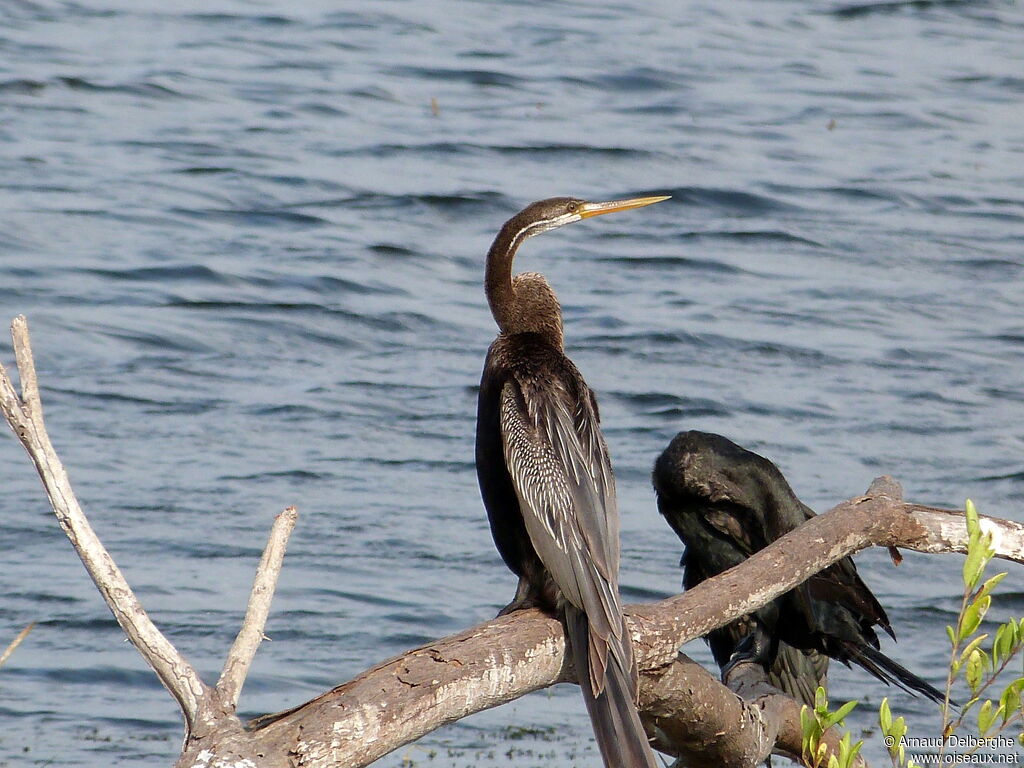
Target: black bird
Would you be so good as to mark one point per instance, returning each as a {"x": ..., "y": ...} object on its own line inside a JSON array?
[
  {"x": 726, "y": 503},
  {"x": 547, "y": 482}
]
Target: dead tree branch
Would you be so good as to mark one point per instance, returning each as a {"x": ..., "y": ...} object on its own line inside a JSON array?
[
  {"x": 236, "y": 667},
  {"x": 878, "y": 518},
  {"x": 204, "y": 708},
  {"x": 687, "y": 711},
  {"x": 25, "y": 415},
  {"x": 15, "y": 643},
  {"x": 509, "y": 657}
]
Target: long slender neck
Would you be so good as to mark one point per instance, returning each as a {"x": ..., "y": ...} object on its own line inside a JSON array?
[
  {"x": 498, "y": 278},
  {"x": 527, "y": 303}
]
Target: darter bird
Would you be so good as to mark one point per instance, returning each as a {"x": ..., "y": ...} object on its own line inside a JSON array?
[{"x": 547, "y": 482}]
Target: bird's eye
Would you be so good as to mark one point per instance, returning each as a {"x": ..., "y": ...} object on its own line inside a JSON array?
[{"x": 572, "y": 207}]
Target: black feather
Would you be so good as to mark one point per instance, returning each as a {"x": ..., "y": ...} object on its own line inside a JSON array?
[{"x": 725, "y": 503}]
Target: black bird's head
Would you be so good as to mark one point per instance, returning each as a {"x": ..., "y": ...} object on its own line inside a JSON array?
[{"x": 705, "y": 475}]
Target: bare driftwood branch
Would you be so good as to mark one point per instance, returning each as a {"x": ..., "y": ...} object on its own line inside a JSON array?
[
  {"x": 205, "y": 709},
  {"x": 779, "y": 713},
  {"x": 15, "y": 643},
  {"x": 25, "y": 415},
  {"x": 687, "y": 711},
  {"x": 692, "y": 713},
  {"x": 504, "y": 659},
  {"x": 876, "y": 519},
  {"x": 236, "y": 667}
]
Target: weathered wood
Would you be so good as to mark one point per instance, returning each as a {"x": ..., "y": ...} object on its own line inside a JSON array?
[
  {"x": 701, "y": 725},
  {"x": 509, "y": 657},
  {"x": 853, "y": 525},
  {"x": 687, "y": 711},
  {"x": 18, "y": 639},
  {"x": 240, "y": 657},
  {"x": 25, "y": 416},
  {"x": 206, "y": 710}
]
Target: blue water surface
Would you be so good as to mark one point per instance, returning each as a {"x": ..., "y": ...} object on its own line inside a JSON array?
[{"x": 249, "y": 239}]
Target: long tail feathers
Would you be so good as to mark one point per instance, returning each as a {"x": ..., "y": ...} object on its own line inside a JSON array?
[
  {"x": 887, "y": 670},
  {"x": 620, "y": 734}
]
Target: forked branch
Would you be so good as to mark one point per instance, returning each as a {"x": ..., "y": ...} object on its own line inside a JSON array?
[
  {"x": 688, "y": 711},
  {"x": 203, "y": 707},
  {"x": 236, "y": 667},
  {"x": 25, "y": 415},
  {"x": 497, "y": 662}
]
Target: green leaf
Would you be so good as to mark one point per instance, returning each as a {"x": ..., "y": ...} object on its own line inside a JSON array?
[
  {"x": 820, "y": 753},
  {"x": 952, "y": 635},
  {"x": 974, "y": 565},
  {"x": 1009, "y": 702},
  {"x": 806, "y": 722},
  {"x": 810, "y": 729},
  {"x": 985, "y": 717},
  {"x": 848, "y": 752},
  {"x": 838, "y": 716},
  {"x": 820, "y": 701},
  {"x": 846, "y": 709},
  {"x": 971, "y": 646},
  {"x": 990, "y": 584},
  {"x": 970, "y": 620},
  {"x": 972, "y": 616},
  {"x": 972, "y": 517},
  {"x": 885, "y": 716},
  {"x": 1003, "y": 643},
  {"x": 999, "y": 714},
  {"x": 967, "y": 707},
  {"x": 854, "y": 751},
  {"x": 974, "y": 670}
]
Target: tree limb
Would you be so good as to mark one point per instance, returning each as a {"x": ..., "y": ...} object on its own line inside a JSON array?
[
  {"x": 236, "y": 667},
  {"x": 25, "y": 415},
  {"x": 701, "y": 725},
  {"x": 15, "y": 643},
  {"x": 688, "y": 712},
  {"x": 501, "y": 660},
  {"x": 871, "y": 520}
]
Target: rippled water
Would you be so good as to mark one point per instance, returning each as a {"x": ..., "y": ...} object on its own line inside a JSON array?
[{"x": 249, "y": 240}]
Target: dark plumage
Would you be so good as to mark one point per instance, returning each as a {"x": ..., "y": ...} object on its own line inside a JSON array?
[
  {"x": 726, "y": 503},
  {"x": 547, "y": 482}
]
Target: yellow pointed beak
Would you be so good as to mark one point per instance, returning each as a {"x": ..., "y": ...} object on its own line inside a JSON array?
[{"x": 599, "y": 209}]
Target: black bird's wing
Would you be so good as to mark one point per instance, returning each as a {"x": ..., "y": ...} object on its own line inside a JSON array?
[
  {"x": 561, "y": 473},
  {"x": 726, "y": 503}
]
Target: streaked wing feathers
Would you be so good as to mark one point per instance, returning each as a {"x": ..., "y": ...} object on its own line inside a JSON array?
[{"x": 559, "y": 466}]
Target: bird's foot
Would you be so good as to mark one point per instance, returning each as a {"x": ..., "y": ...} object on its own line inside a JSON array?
[
  {"x": 519, "y": 604},
  {"x": 754, "y": 648},
  {"x": 527, "y": 596}
]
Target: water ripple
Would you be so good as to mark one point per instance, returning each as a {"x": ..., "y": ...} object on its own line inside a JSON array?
[{"x": 250, "y": 240}]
